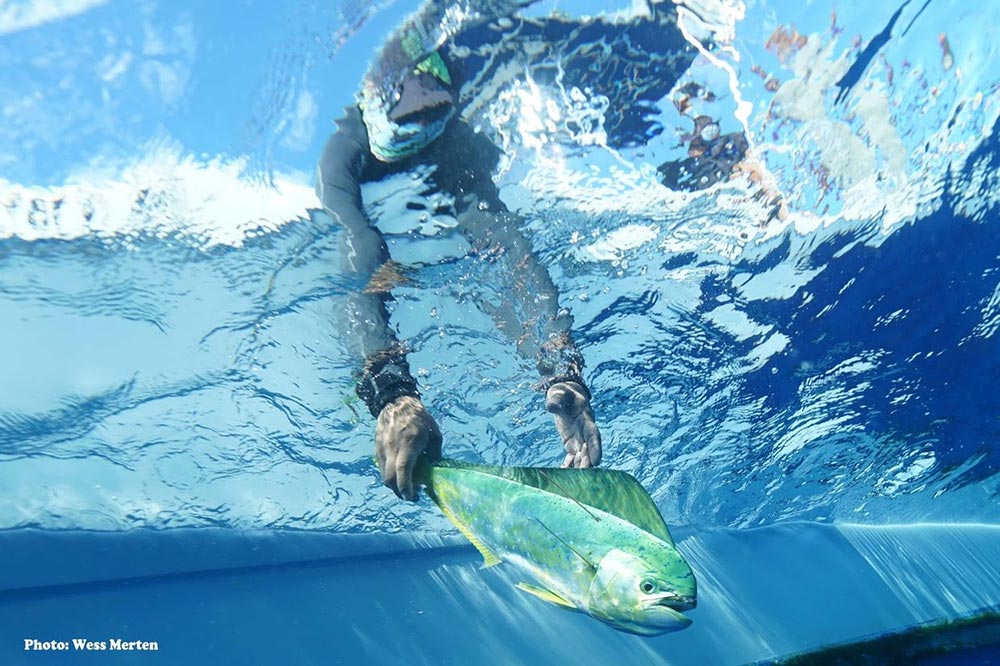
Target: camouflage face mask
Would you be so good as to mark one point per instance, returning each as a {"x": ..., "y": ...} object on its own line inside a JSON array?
[{"x": 406, "y": 100}]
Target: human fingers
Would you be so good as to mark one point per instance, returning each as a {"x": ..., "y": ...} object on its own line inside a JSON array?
[
  {"x": 404, "y": 473},
  {"x": 571, "y": 438},
  {"x": 568, "y": 460},
  {"x": 577, "y": 459},
  {"x": 383, "y": 453},
  {"x": 593, "y": 438},
  {"x": 576, "y": 450},
  {"x": 380, "y": 453},
  {"x": 388, "y": 470}
]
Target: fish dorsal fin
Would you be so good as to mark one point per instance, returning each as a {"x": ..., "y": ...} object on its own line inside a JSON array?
[
  {"x": 545, "y": 595},
  {"x": 490, "y": 559},
  {"x": 609, "y": 490}
]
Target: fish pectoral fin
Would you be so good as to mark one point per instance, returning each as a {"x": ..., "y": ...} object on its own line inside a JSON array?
[
  {"x": 545, "y": 595},
  {"x": 489, "y": 557}
]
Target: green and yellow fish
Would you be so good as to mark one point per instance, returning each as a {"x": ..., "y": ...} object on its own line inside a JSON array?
[{"x": 592, "y": 540}]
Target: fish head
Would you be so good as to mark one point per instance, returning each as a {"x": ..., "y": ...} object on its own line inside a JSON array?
[
  {"x": 407, "y": 98},
  {"x": 643, "y": 591}
]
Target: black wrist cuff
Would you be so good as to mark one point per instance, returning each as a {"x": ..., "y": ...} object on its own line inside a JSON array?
[
  {"x": 559, "y": 357},
  {"x": 386, "y": 377}
]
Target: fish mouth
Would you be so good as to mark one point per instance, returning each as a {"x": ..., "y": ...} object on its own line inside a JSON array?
[
  {"x": 672, "y": 601},
  {"x": 653, "y": 620},
  {"x": 662, "y": 613},
  {"x": 671, "y": 619}
]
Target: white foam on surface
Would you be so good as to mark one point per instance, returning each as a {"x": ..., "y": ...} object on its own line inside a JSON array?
[
  {"x": 164, "y": 192},
  {"x": 25, "y": 14}
]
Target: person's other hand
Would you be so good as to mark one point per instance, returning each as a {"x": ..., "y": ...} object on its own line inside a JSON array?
[
  {"x": 574, "y": 419},
  {"x": 404, "y": 430}
]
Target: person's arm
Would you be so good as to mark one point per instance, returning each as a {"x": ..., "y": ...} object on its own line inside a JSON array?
[
  {"x": 532, "y": 318},
  {"x": 530, "y": 314},
  {"x": 404, "y": 429}
]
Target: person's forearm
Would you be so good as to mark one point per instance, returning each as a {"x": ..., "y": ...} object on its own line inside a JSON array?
[
  {"x": 530, "y": 313},
  {"x": 385, "y": 374}
]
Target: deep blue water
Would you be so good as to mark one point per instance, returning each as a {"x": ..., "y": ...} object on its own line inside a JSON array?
[{"x": 169, "y": 292}]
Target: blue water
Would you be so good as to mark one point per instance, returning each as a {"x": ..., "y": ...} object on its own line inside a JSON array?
[{"x": 169, "y": 293}]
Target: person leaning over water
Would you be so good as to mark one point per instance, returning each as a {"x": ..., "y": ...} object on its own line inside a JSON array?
[{"x": 406, "y": 118}]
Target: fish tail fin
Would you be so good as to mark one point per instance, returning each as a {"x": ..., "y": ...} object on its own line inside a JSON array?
[{"x": 489, "y": 558}]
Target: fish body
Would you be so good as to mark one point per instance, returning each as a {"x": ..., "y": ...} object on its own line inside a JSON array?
[{"x": 591, "y": 540}]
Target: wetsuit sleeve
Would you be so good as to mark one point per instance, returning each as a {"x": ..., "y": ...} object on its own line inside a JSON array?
[
  {"x": 530, "y": 314},
  {"x": 385, "y": 373}
]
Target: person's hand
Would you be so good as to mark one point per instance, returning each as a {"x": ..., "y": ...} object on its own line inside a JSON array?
[
  {"x": 404, "y": 431},
  {"x": 574, "y": 419}
]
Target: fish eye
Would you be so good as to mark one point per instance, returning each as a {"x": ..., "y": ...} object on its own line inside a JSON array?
[{"x": 647, "y": 586}]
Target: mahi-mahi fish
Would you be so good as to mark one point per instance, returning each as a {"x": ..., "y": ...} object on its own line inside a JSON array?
[{"x": 591, "y": 540}]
